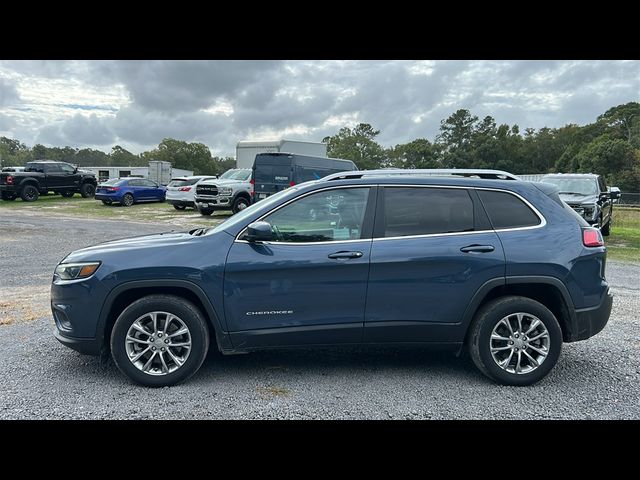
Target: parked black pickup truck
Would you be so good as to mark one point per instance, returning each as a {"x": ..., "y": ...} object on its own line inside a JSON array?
[{"x": 43, "y": 176}]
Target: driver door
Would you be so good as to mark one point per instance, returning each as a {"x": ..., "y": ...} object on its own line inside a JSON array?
[{"x": 308, "y": 285}]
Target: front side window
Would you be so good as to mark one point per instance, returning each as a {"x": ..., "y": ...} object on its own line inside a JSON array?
[
  {"x": 424, "y": 211},
  {"x": 329, "y": 215},
  {"x": 67, "y": 168}
]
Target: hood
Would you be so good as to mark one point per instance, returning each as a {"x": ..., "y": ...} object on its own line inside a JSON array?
[
  {"x": 97, "y": 252},
  {"x": 578, "y": 198},
  {"x": 221, "y": 181}
]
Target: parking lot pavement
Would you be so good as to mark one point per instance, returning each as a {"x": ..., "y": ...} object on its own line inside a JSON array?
[{"x": 39, "y": 378}]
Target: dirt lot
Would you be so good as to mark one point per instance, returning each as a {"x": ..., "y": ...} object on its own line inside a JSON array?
[{"x": 39, "y": 378}]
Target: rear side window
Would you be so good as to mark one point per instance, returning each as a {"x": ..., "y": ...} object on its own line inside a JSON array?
[
  {"x": 305, "y": 173},
  {"x": 423, "y": 211},
  {"x": 507, "y": 211},
  {"x": 273, "y": 174}
]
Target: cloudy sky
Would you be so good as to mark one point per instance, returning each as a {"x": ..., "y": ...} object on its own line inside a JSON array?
[{"x": 136, "y": 104}]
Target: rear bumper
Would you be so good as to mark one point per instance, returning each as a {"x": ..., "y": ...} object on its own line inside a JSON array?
[
  {"x": 181, "y": 203},
  {"x": 8, "y": 188},
  {"x": 105, "y": 196},
  {"x": 590, "y": 321}
]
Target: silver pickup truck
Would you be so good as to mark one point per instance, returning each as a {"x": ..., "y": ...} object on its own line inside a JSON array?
[{"x": 232, "y": 191}]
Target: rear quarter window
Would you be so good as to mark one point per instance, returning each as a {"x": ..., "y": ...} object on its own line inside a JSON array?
[
  {"x": 410, "y": 211},
  {"x": 505, "y": 210}
]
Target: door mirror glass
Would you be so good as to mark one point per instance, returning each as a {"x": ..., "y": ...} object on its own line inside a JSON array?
[{"x": 259, "y": 232}]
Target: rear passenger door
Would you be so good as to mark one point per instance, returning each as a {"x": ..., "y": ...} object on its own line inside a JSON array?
[{"x": 433, "y": 248}]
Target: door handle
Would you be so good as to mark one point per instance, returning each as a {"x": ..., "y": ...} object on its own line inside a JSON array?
[
  {"x": 345, "y": 255},
  {"x": 478, "y": 249}
]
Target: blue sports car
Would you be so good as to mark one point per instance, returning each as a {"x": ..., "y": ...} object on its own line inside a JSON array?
[{"x": 128, "y": 191}]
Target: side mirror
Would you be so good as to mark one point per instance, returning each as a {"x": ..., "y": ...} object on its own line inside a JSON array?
[
  {"x": 614, "y": 192},
  {"x": 259, "y": 232}
]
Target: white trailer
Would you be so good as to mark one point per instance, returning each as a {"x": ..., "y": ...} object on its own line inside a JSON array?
[
  {"x": 246, "y": 151},
  {"x": 157, "y": 173}
]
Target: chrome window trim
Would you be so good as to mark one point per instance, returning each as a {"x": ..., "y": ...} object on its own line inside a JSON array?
[{"x": 541, "y": 217}]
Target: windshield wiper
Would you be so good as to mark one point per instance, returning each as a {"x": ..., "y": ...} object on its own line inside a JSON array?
[
  {"x": 573, "y": 193},
  {"x": 198, "y": 231}
]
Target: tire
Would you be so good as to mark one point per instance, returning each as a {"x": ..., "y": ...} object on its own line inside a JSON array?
[
  {"x": 240, "y": 204},
  {"x": 123, "y": 351},
  {"x": 106, "y": 202},
  {"x": 29, "y": 193},
  {"x": 9, "y": 197},
  {"x": 87, "y": 190},
  {"x": 67, "y": 194},
  {"x": 480, "y": 340},
  {"x": 127, "y": 200},
  {"x": 205, "y": 211},
  {"x": 179, "y": 207}
]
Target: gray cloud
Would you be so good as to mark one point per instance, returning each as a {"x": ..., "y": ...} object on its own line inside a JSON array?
[
  {"x": 78, "y": 131},
  {"x": 8, "y": 93},
  {"x": 403, "y": 99}
]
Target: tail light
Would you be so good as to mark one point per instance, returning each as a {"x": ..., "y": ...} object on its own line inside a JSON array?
[
  {"x": 252, "y": 191},
  {"x": 292, "y": 183},
  {"x": 185, "y": 189},
  {"x": 591, "y": 237},
  {"x": 112, "y": 189},
  {"x": 9, "y": 180}
]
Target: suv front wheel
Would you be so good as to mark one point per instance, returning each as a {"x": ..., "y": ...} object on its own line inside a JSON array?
[
  {"x": 160, "y": 340},
  {"x": 515, "y": 340}
]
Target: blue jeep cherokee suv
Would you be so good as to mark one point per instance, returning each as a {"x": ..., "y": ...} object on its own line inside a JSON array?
[{"x": 501, "y": 267}]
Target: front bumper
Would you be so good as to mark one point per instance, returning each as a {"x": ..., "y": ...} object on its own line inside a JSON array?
[
  {"x": 87, "y": 346},
  {"x": 214, "y": 202},
  {"x": 590, "y": 321}
]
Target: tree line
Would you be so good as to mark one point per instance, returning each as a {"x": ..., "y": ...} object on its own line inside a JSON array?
[
  {"x": 609, "y": 146},
  {"x": 189, "y": 156}
]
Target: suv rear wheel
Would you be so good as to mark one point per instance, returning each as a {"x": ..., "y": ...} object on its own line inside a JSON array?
[
  {"x": 160, "y": 340},
  {"x": 515, "y": 340}
]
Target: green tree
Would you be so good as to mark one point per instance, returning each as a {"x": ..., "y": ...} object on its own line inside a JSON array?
[
  {"x": 188, "y": 156},
  {"x": 358, "y": 145},
  {"x": 420, "y": 153},
  {"x": 623, "y": 118}
]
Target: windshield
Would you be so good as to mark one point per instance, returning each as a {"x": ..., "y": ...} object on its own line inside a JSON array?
[
  {"x": 249, "y": 211},
  {"x": 237, "y": 174},
  {"x": 574, "y": 186}
]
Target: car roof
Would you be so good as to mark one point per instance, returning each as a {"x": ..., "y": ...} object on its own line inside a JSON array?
[{"x": 47, "y": 161}]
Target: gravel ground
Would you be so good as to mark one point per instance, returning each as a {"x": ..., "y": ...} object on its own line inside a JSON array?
[{"x": 39, "y": 378}]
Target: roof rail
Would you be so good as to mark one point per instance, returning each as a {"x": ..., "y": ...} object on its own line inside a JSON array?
[{"x": 427, "y": 172}]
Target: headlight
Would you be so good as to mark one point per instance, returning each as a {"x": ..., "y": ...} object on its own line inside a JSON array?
[
  {"x": 226, "y": 191},
  {"x": 75, "y": 271},
  {"x": 589, "y": 211}
]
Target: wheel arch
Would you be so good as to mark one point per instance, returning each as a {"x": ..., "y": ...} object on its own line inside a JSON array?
[
  {"x": 549, "y": 291},
  {"x": 125, "y": 294}
]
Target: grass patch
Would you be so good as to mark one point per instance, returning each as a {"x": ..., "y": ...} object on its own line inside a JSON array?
[
  {"x": 624, "y": 241},
  {"x": 76, "y": 206}
]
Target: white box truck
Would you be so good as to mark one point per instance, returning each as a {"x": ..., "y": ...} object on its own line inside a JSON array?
[
  {"x": 246, "y": 151},
  {"x": 160, "y": 172}
]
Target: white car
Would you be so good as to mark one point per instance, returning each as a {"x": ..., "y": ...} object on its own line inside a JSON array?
[{"x": 181, "y": 191}]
